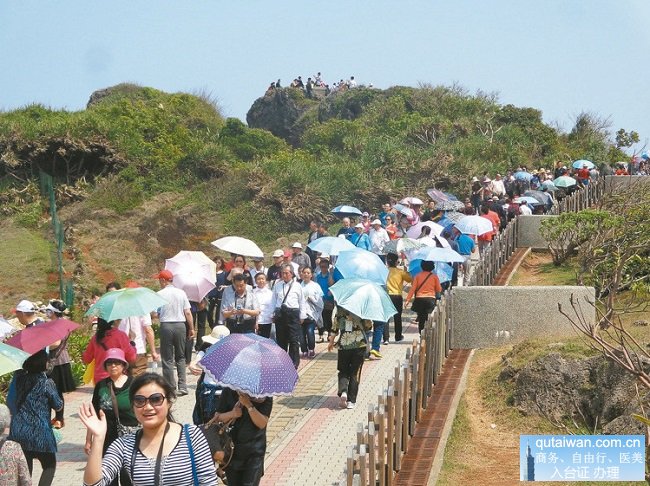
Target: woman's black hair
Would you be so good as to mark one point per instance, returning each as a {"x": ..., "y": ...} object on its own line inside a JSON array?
[
  {"x": 148, "y": 378},
  {"x": 391, "y": 259},
  {"x": 36, "y": 363},
  {"x": 103, "y": 327},
  {"x": 427, "y": 266},
  {"x": 60, "y": 307}
]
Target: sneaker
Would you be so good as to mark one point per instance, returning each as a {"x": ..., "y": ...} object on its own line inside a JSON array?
[
  {"x": 398, "y": 339},
  {"x": 320, "y": 339},
  {"x": 376, "y": 353},
  {"x": 350, "y": 405},
  {"x": 312, "y": 353},
  {"x": 304, "y": 355},
  {"x": 344, "y": 399},
  {"x": 385, "y": 343}
]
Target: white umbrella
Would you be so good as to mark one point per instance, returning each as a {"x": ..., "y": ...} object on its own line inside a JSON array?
[
  {"x": 402, "y": 244},
  {"x": 238, "y": 246},
  {"x": 415, "y": 230},
  {"x": 438, "y": 255},
  {"x": 474, "y": 225},
  {"x": 331, "y": 245},
  {"x": 428, "y": 241},
  {"x": 193, "y": 272},
  {"x": 6, "y": 329}
]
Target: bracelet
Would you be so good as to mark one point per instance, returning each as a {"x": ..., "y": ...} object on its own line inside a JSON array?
[{"x": 252, "y": 407}]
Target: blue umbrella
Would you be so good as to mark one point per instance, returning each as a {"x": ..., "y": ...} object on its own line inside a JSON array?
[
  {"x": 579, "y": 164},
  {"x": 549, "y": 186},
  {"x": 250, "y": 364},
  {"x": 331, "y": 245},
  {"x": 442, "y": 270},
  {"x": 344, "y": 210},
  {"x": 364, "y": 299},
  {"x": 360, "y": 263},
  {"x": 522, "y": 175},
  {"x": 435, "y": 254},
  {"x": 529, "y": 199}
]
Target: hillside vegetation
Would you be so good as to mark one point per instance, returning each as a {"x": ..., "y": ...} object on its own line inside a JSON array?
[{"x": 141, "y": 173}]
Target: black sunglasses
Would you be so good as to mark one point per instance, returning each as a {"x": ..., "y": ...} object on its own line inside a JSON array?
[{"x": 155, "y": 399}]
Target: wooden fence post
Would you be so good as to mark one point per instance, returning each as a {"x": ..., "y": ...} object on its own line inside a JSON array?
[{"x": 363, "y": 468}]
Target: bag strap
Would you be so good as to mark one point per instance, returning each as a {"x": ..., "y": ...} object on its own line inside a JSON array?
[
  {"x": 195, "y": 477},
  {"x": 286, "y": 294},
  {"x": 114, "y": 400},
  {"x": 415, "y": 294}
]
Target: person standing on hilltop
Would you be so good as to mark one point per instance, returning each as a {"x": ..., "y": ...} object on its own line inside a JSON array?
[{"x": 173, "y": 333}]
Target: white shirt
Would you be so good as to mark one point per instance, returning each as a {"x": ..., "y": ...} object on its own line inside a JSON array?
[
  {"x": 177, "y": 304},
  {"x": 525, "y": 210},
  {"x": 264, "y": 297},
  {"x": 378, "y": 238},
  {"x": 295, "y": 298},
  {"x": 228, "y": 300},
  {"x": 314, "y": 300},
  {"x": 134, "y": 327},
  {"x": 498, "y": 189}
]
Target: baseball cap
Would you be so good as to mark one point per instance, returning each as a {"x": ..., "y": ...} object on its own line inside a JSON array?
[
  {"x": 375, "y": 221},
  {"x": 278, "y": 253},
  {"x": 218, "y": 333},
  {"x": 164, "y": 274},
  {"x": 25, "y": 306},
  {"x": 358, "y": 225},
  {"x": 297, "y": 244}
]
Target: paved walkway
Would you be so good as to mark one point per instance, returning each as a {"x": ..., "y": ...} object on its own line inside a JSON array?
[{"x": 308, "y": 433}]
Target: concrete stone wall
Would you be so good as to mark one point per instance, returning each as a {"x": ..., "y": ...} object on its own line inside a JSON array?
[
  {"x": 621, "y": 183},
  {"x": 528, "y": 235},
  {"x": 494, "y": 316}
]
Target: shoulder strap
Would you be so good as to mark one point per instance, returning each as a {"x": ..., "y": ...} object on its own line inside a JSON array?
[
  {"x": 114, "y": 400},
  {"x": 136, "y": 446},
  {"x": 415, "y": 294},
  {"x": 286, "y": 294},
  {"x": 195, "y": 477}
]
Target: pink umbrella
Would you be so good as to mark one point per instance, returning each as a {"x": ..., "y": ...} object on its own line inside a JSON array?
[
  {"x": 33, "y": 339},
  {"x": 415, "y": 230},
  {"x": 193, "y": 272}
]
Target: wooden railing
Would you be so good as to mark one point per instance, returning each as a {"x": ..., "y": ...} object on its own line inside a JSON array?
[
  {"x": 383, "y": 439},
  {"x": 583, "y": 198}
]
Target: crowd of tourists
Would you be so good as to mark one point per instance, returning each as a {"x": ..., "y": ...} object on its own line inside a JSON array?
[
  {"x": 315, "y": 81},
  {"x": 132, "y": 437}
]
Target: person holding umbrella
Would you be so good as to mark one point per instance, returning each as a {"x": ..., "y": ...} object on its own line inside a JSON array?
[
  {"x": 424, "y": 292},
  {"x": 33, "y": 398},
  {"x": 352, "y": 349},
  {"x": 397, "y": 278}
]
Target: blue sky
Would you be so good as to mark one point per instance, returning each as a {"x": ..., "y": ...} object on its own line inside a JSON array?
[{"x": 562, "y": 57}]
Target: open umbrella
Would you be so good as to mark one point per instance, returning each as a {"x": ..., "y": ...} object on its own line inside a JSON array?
[
  {"x": 250, "y": 364},
  {"x": 474, "y": 225},
  {"x": 415, "y": 200},
  {"x": 433, "y": 254},
  {"x": 449, "y": 206},
  {"x": 579, "y": 164},
  {"x": 405, "y": 210},
  {"x": 193, "y": 272},
  {"x": 549, "y": 186},
  {"x": 6, "y": 329},
  {"x": 364, "y": 299},
  {"x": 33, "y": 339},
  {"x": 522, "y": 175},
  {"x": 443, "y": 271},
  {"x": 543, "y": 197},
  {"x": 451, "y": 216},
  {"x": 238, "y": 246},
  {"x": 331, "y": 245},
  {"x": 415, "y": 230},
  {"x": 434, "y": 241},
  {"x": 129, "y": 302},
  {"x": 528, "y": 199},
  {"x": 360, "y": 263},
  {"x": 349, "y": 211},
  {"x": 564, "y": 181},
  {"x": 437, "y": 196},
  {"x": 402, "y": 244},
  {"x": 11, "y": 358}
]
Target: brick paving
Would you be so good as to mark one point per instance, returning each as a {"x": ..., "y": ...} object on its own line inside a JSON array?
[{"x": 308, "y": 433}]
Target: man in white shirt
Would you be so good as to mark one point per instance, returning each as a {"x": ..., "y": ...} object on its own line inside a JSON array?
[
  {"x": 524, "y": 209},
  {"x": 264, "y": 297},
  {"x": 241, "y": 312},
  {"x": 378, "y": 238},
  {"x": 289, "y": 310},
  {"x": 173, "y": 330},
  {"x": 140, "y": 332}
]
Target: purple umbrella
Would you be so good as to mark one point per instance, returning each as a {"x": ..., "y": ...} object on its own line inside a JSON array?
[{"x": 250, "y": 364}]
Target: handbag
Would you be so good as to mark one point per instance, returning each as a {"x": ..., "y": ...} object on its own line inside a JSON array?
[
  {"x": 89, "y": 373},
  {"x": 278, "y": 311},
  {"x": 122, "y": 430},
  {"x": 219, "y": 440}
]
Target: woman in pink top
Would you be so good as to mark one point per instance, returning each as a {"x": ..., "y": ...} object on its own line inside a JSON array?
[{"x": 105, "y": 338}]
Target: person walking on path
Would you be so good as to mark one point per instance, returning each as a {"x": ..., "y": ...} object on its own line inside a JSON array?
[
  {"x": 299, "y": 257},
  {"x": 314, "y": 309},
  {"x": 424, "y": 292},
  {"x": 250, "y": 416},
  {"x": 13, "y": 465},
  {"x": 31, "y": 403},
  {"x": 326, "y": 277},
  {"x": 397, "y": 278},
  {"x": 352, "y": 346},
  {"x": 164, "y": 452},
  {"x": 173, "y": 318},
  {"x": 240, "y": 308},
  {"x": 111, "y": 396},
  {"x": 264, "y": 296},
  {"x": 59, "y": 360},
  {"x": 106, "y": 337},
  {"x": 378, "y": 238},
  {"x": 289, "y": 309},
  {"x": 140, "y": 332}
]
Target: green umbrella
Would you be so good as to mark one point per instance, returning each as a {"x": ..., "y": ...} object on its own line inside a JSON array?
[
  {"x": 122, "y": 303},
  {"x": 363, "y": 298},
  {"x": 11, "y": 359},
  {"x": 564, "y": 181}
]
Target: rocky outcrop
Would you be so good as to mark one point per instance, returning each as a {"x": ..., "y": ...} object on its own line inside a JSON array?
[
  {"x": 282, "y": 112},
  {"x": 591, "y": 392}
]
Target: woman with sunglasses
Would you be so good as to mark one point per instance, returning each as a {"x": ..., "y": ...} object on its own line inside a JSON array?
[
  {"x": 163, "y": 452},
  {"x": 111, "y": 396}
]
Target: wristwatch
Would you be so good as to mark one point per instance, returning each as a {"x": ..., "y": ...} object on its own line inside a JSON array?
[{"x": 252, "y": 407}]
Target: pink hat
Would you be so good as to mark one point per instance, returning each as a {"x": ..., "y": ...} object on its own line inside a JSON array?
[{"x": 116, "y": 354}]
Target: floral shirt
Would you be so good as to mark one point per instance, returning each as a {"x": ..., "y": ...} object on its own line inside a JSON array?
[
  {"x": 352, "y": 330},
  {"x": 13, "y": 466}
]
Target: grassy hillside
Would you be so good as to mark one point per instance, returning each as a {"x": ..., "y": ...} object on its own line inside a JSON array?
[{"x": 141, "y": 173}]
